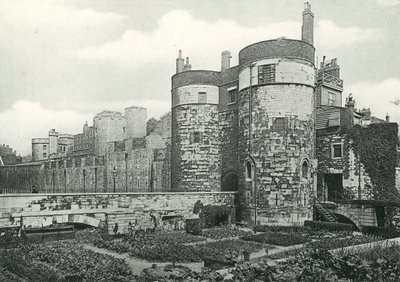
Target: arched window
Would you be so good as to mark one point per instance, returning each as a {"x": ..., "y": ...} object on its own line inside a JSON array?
[
  {"x": 249, "y": 170},
  {"x": 304, "y": 169}
]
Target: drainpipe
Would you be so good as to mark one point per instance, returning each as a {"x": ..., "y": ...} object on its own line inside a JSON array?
[{"x": 252, "y": 65}]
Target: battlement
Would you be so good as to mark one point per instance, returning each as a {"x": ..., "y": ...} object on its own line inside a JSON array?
[
  {"x": 108, "y": 114},
  {"x": 66, "y": 136},
  {"x": 135, "y": 107},
  {"x": 53, "y": 132},
  {"x": 40, "y": 140}
]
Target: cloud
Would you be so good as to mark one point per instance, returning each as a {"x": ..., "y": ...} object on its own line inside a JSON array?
[
  {"x": 329, "y": 35},
  {"x": 381, "y": 97},
  {"x": 52, "y": 14},
  {"x": 26, "y": 120},
  {"x": 389, "y": 3},
  {"x": 203, "y": 41}
]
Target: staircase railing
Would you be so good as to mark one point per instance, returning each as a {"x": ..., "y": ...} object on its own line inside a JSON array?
[{"x": 328, "y": 215}]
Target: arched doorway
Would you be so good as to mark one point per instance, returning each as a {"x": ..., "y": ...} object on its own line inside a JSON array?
[{"x": 229, "y": 182}]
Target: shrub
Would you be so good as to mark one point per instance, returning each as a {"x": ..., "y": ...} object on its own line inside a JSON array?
[
  {"x": 383, "y": 232},
  {"x": 215, "y": 215},
  {"x": 224, "y": 232},
  {"x": 277, "y": 238},
  {"x": 330, "y": 226},
  {"x": 278, "y": 228},
  {"x": 193, "y": 226}
]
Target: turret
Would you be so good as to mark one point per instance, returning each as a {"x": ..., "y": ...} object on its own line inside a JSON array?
[
  {"x": 53, "y": 142},
  {"x": 307, "y": 29}
]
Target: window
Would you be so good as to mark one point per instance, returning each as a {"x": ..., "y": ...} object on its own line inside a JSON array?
[
  {"x": 279, "y": 124},
  {"x": 44, "y": 155},
  {"x": 331, "y": 98},
  {"x": 202, "y": 97},
  {"x": 44, "y": 147},
  {"x": 266, "y": 73},
  {"x": 249, "y": 170},
  {"x": 336, "y": 150},
  {"x": 195, "y": 137},
  {"x": 304, "y": 170},
  {"x": 232, "y": 95}
]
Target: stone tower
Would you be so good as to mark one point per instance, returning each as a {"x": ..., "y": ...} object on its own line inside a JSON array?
[
  {"x": 136, "y": 118},
  {"x": 53, "y": 142},
  {"x": 109, "y": 126},
  {"x": 276, "y": 127},
  {"x": 195, "y": 161}
]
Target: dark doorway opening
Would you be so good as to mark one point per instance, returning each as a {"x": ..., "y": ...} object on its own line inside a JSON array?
[
  {"x": 334, "y": 182},
  {"x": 229, "y": 182}
]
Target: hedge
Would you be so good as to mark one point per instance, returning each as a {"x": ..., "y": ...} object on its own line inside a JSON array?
[
  {"x": 194, "y": 226},
  {"x": 383, "y": 232},
  {"x": 330, "y": 226}
]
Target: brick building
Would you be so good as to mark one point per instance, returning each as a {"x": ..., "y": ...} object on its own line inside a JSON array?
[{"x": 342, "y": 169}]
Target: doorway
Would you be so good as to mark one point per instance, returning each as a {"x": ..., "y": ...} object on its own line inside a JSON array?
[{"x": 334, "y": 183}]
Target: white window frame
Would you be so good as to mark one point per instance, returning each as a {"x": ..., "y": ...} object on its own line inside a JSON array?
[{"x": 333, "y": 151}]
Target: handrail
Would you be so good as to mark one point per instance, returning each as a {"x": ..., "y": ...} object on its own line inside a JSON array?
[{"x": 322, "y": 205}]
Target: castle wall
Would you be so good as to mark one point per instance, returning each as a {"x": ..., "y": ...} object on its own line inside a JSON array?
[
  {"x": 195, "y": 148},
  {"x": 278, "y": 139},
  {"x": 196, "y": 159},
  {"x": 55, "y": 176},
  {"x": 143, "y": 210}
]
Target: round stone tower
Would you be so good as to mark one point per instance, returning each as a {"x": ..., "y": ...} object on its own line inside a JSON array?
[
  {"x": 276, "y": 129},
  {"x": 136, "y": 119},
  {"x": 195, "y": 162},
  {"x": 109, "y": 126}
]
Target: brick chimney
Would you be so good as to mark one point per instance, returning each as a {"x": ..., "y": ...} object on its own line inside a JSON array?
[
  {"x": 180, "y": 63},
  {"x": 307, "y": 28},
  {"x": 225, "y": 60},
  {"x": 187, "y": 66}
]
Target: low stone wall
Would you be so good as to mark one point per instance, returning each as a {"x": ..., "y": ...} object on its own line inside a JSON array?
[{"x": 120, "y": 212}]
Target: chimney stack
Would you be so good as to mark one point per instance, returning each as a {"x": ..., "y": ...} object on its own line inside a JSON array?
[
  {"x": 187, "y": 66},
  {"x": 387, "y": 118},
  {"x": 349, "y": 101},
  {"x": 180, "y": 63},
  {"x": 225, "y": 60},
  {"x": 307, "y": 29}
]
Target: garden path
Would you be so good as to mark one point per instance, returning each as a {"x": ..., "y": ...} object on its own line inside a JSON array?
[{"x": 137, "y": 264}]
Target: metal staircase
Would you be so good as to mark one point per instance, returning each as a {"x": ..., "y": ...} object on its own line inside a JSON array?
[{"x": 326, "y": 214}]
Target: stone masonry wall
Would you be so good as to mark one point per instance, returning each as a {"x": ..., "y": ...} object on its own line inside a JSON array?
[
  {"x": 67, "y": 175},
  {"x": 195, "y": 148},
  {"x": 146, "y": 210},
  {"x": 228, "y": 124},
  {"x": 348, "y": 165},
  {"x": 282, "y": 138}
]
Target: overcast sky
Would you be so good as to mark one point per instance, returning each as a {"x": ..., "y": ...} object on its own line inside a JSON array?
[{"x": 62, "y": 62}]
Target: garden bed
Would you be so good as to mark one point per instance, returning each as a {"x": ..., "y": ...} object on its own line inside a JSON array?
[
  {"x": 224, "y": 232},
  {"x": 278, "y": 238},
  {"x": 60, "y": 261}
]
